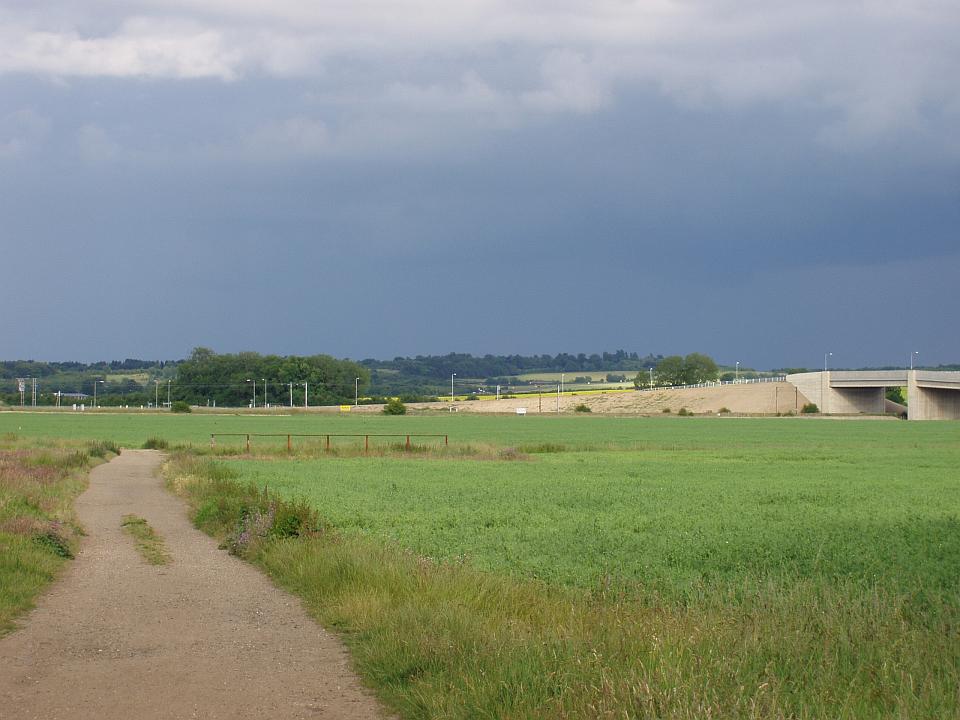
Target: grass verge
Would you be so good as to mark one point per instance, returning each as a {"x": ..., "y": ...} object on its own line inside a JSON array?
[
  {"x": 38, "y": 529},
  {"x": 150, "y": 545},
  {"x": 446, "y": 640}
]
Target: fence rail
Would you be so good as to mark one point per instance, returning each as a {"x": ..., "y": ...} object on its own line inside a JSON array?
[
  {"x": 718, "y": 383},
  {"x": 366, "y": 437}
]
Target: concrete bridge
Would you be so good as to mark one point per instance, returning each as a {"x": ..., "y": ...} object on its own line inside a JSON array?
[{"x": 931, "y": 394}]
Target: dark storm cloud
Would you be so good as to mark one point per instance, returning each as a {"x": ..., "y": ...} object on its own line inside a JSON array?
[{"x": 750, "y": 183}]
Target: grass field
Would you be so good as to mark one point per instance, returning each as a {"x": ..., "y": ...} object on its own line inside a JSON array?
[{"x": 603, "y": 567}]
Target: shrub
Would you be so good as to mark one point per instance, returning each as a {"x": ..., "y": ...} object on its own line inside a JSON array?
[
  {"x": 683, "y": 411},
  {"x": 180, "y": 406},
  {"x": 395, "y": 406},
  {"x": 724, "y": 410},
  {"x": 472, "y": 396},
  {"x": 582, "y": 408},
  {"x": 665, "y": 410},
  {"x": 810, "y": 408},
  {"x": 155, "y": 443}
]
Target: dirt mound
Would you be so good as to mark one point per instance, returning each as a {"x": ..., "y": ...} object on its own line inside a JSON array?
[{"x": 747, "y": 398}]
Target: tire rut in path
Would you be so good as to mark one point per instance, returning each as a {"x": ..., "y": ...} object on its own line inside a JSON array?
[{"x": 207, "y": 636}]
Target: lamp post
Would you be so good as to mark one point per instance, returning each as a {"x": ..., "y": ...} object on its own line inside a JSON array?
[
  {"x": 253, "y": 403},
  {"x": 915, "y": 352},
  {"x": 736, "y": 377},
  {"x": 291, "y": 394},
  {"x": 95, "y": 391},
  {"x": 305, "y": 398},
  {"x": 651, "y": 376},
  {"x": 156, "y": 394},
  {"x": 356, "y": 392},
  {"x": 264, "y": 391},
  {"x": 825, "y": 356},
  {"x": 168, "y": 394},
  {"x": 452, "y": 376},
  {"x": 561, "y": 382}
]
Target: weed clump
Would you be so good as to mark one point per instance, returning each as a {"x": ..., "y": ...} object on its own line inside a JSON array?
[
  {"x": 582, "y": 408},
  {"x": 810, "y": 408},
  {"x": 102, "y": 448},
  {"x": 684, "y": 412},
  {"x": 545, "y": 447},
  {"x": 155, "y": 443},
  {"x": 250, "y": 514}
]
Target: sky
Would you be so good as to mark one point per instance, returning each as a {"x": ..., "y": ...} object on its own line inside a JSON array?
[{"x": 764, "y": 182}]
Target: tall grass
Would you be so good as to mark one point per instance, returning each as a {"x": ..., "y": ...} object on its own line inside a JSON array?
[
  {"x": 38, "y": 530},
  {"x": 443, "y": 639}
]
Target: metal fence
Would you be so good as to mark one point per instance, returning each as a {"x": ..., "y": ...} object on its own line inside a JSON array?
[{"x": 289, "y": 436}]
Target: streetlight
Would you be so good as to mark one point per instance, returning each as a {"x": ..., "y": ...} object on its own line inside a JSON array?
[
  {"x": 915, "y": 352},
  {"x": 561, "y": 382},
  {"x": 264, "y": 391},
  {"x": 253, "y": 403},
  {"x": 452, "y": 376},
  {"x": 356, "y": 392},
  {"x": 95, "y": 391},
  {"x": 825, "y": 356},
  {"x": 156, "y": 394},
  {"x": 651, "y": 376},
  {"x": 736, "y": 377}
]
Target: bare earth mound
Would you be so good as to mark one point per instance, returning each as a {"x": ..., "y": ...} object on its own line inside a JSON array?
[
  {"x": 204, "y": 637},
  {"x": 747, "y": 398}
]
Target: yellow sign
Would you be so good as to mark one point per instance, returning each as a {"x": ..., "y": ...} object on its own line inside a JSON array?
[{"x": 345, "y": 408}]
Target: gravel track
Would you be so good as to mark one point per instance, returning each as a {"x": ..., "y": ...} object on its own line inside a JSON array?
[{"x": 207, "y": 636}]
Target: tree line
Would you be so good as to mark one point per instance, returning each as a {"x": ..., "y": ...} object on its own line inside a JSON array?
[{"x": 235, "y": 380}]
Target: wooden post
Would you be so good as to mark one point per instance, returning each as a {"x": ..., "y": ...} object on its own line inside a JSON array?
[
  {"x": 328, "y": 442},
  {"x": 213, "y": 440},
  {"x": 408, "y": 442},
  {"x": 446, "y": 440},
  {"x": 289, "y": 446},
  {"x": 248, "y": 442},
  {"x": 366, "y": 443}
]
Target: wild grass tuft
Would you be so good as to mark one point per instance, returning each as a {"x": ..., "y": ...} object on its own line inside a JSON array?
[{"x": 148, "y": 543}]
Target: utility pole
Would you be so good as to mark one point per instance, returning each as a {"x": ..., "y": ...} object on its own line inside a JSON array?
[
  {"x": 356, "y": 392},
  {"x": 291, "y": 394},
  {"x": 168, "y": 393},
  {"x": 305, "y": 403},
  {"x": 558, "y": 399}
]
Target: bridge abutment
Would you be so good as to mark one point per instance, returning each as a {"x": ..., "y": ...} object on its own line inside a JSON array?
[{"x": 933, "y": 396}]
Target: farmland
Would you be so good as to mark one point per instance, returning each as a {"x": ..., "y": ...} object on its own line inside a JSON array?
[{"x": 661, "y": 566}]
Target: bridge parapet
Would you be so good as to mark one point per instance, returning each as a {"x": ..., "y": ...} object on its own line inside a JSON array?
[{"x": 867, "y": 378}]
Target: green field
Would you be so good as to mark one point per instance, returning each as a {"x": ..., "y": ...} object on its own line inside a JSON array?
[{"x": 565, "y": 566}]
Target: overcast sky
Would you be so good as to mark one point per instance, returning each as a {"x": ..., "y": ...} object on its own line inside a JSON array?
[{"x": 760, "y": 181}]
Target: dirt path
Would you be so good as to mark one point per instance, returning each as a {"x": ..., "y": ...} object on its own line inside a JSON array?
[{"x": 207, "y": 636}]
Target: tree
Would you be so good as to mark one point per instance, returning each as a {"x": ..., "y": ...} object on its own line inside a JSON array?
[
  {"x": 669, "y": 371},
  {"x": 698, "y": 368},
  {"x": 690, "y": 370}
]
